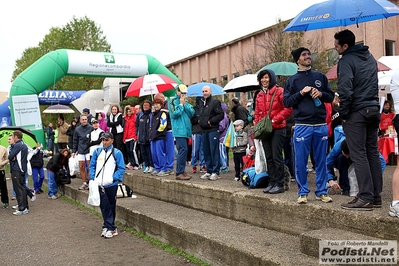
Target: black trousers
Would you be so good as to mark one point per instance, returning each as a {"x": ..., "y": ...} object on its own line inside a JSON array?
[
  {"x": 3, "y": 187},
  {"x": 238, "y": 163},
  {"x": 361, "y": 131},
  {"x": 18, "y": 182}
]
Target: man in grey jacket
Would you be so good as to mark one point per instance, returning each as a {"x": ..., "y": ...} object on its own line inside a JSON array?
[
  {"x": 81, "y": 141},
  {"x": 359, "y": 110}
]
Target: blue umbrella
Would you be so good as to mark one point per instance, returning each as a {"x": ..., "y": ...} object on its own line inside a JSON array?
[
  {"x": 337, "y": 13},
  {"x": 196, "y": 89}
]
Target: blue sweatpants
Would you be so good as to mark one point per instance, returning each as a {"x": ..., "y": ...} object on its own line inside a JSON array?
[
  {"x": 158, "y": 155},
  {"x": 306, "y": 137}
]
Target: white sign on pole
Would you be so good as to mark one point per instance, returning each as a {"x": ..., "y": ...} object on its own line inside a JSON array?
[{"x": 27, "y": 112}]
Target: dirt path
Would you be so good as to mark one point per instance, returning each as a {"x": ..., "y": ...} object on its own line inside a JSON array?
[{"x": 57, "y": 232}]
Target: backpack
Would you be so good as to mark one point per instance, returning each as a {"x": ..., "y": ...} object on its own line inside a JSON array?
[
  {"x": 62, "y": 177},
  {"x": 252, "y": 180},
  {"x": 124, "y": 191}
]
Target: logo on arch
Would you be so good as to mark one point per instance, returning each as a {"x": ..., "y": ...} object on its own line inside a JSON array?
[{"x": 109, "y": 59}]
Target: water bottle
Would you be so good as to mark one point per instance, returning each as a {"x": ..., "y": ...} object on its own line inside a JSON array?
[{"x": 317, "y": 102}]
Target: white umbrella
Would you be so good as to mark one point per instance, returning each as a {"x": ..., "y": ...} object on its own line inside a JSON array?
[
  {"x": 58, "y": 109},
  {"x": 248, "y": 82},
  {"x": 384, "y": 81}
]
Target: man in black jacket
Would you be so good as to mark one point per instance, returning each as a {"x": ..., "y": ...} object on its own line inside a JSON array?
[
  {"x": 211, "y": 114},
  {"x": 239, "y": 111},
  {"x": 359, "y": 110}
]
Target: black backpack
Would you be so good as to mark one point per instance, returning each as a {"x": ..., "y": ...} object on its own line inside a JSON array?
[{"x": 62, "y": 177}]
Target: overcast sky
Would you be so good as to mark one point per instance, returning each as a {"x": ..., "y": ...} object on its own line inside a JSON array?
[{"x": 167, "y": 30}]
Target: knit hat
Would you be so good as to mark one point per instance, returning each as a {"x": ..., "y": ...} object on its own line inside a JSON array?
[{"x": 297, "y": 53}]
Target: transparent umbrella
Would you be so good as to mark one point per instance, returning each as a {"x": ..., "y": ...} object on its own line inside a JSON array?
[{"x": 58, "y": 109}]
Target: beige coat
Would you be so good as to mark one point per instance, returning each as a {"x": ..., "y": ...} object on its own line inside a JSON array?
[
  {"x": 3, "y": 157},
  {"x": 62, "y": 136}
]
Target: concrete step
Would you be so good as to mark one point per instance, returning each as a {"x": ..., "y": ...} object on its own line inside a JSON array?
[
  {"x": 216, "y": 240},
  {"x": 310, "y": 240},
  {"x": 224, "y": 223},
  {"x": 280, "y": 212}
]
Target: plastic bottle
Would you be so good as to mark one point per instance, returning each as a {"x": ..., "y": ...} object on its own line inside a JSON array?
[{"x": 317, "y": 102}]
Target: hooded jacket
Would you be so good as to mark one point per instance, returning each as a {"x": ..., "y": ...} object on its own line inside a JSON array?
[
  {"x": 279, "y": 113},
  {"x": 357, "y": 80},
  {"x": 62, "y": 130},
  {"x": 102, "y": 123},
  {"x": 129, "y": 130},
  {"x": 240, "y": 112},
  {"x": 224, "y": 124},
  {"x": 180, "y": 116}
]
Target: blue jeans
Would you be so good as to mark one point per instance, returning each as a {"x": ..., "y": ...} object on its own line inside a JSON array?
[
  {"x": 223, "y": 156},
  {"x": 51, "y": 183},
  {"x": 169, "y": 150},
  {"x": 108, "y": 206},
  {"x": 210, "y": 144},
  {"x": 182, "y": 144},
  {"x": 50, "y": 145},
  {"x": 198, "y": 151},
  {"x": 342, "y": 163},
  {"x": 38, "y": 177}
]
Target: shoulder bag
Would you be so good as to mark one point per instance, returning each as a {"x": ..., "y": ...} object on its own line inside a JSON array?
[{"x": 264, "y": 129}]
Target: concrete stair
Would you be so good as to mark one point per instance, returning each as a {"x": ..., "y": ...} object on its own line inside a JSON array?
[{"x": 224, "y": 223}]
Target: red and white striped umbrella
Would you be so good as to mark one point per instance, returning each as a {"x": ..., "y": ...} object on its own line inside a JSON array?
[{"x": 150, "y": 84}]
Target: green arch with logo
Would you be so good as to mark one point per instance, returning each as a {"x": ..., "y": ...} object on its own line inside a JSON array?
[{"x": 53, "y": 66}]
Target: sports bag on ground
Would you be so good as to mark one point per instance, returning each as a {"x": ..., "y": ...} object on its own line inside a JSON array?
[
  {"x": 124, "y": 191},
  {"x": 62, "y": 177},
  {"x": 252, "y": 180}
]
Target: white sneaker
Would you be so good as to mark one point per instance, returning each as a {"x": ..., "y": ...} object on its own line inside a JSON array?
[
  {"x": 111, "y": 234},
  {"x": 15, "y": 207},
  {"x": 26, "y": 211},
  {"x": 104, "y": 231},
  {"x": 83, "y": 186},
  {"x": 214, "y": 177},
  {"x": 34, "y": 196},
  {"x": 205, "y": 176}
]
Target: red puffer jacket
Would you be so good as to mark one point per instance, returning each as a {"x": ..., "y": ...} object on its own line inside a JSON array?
[
  {"x": 279, "y": 113},
  {"x": 129, "y": 130}
]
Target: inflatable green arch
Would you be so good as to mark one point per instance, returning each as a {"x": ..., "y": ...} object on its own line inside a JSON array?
[{"x": 53, "y": 66}]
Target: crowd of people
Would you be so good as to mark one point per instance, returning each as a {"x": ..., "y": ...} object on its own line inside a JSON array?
[{"x": 309, "y": 120}]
